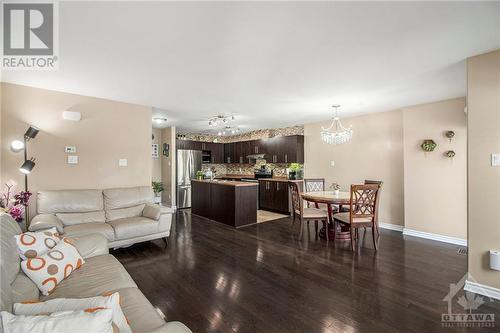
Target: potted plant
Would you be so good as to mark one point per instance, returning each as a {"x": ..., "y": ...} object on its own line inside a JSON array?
[
  {"x": 336, "y": 188},
  {"x": 199, "y": 175},
  {"x": 14, "y": 204},
  {"x": 295, "y": 171},
  {"x": 157, "y": 189}
]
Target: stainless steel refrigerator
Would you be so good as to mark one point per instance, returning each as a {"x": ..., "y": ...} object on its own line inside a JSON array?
[{"x": 188, "y": 162}]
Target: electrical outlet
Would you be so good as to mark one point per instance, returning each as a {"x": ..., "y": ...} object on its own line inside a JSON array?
[
  {"x": 123, "y": 162},
  {"x": 72, "y": 159}
]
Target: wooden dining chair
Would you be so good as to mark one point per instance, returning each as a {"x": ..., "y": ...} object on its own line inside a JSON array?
[
  {"x": 379, "y": 183},
  {"x": 305, "y": 214},
  {"x": 363, "y": 212},
  {"x": 315, "y": 185}
]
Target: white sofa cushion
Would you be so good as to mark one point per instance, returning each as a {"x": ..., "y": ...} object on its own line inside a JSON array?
[
  {"x": 134, "y": 227},
  {"x": 72, "y": 304},
  {"x": 48, "y": 270},
  {"x": 121, "y": 213},
  {"x": 78, "y": 218},
  {"x": 127, "y": 197},
  {"x": 34, "y": 244},
  {"x": 90, "y": 228},
  {"x": 152, "y": 212},
  {"x": 100, "y": 275},
  {"x": 60, "y": 322},
  {"x": 69, "y": 201}
]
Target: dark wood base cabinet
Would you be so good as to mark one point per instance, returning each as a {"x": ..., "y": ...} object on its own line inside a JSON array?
[
  {"x": 274, "y": 195},
  {"x": 234, "y": 205}
]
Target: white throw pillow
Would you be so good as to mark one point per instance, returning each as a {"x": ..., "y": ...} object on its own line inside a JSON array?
[
  {"x": 49, "y": 270},
  {"x": 35, "y": 244},
  {"x": 60, "y": 322},
  {"x": 64, "y": 304}
]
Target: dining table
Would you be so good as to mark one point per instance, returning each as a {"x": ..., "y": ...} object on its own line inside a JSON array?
[{"x": 330, "y": 199}]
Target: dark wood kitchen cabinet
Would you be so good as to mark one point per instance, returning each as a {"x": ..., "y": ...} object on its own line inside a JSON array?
[
  {"x": 216, "y": 150},
  {"x": 284, "y": 149},
  {"x": 274, "y": 196}
]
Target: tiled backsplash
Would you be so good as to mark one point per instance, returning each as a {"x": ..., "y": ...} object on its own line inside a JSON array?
[
  {"x": 279, "y": 170},
  {"x": 253, "y": 135}
]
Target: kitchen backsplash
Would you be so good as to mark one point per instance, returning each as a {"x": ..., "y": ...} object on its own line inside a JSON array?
[
  {"x": 279, "y": 170},
  {"x": 253, "y": 135}
]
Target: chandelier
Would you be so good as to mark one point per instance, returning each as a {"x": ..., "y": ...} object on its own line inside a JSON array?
[
  {"x": 340, "y": 135},
  {"x": 220, "y": 120}
]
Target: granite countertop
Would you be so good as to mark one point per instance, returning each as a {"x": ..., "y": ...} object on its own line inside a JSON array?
[{"x": 224, "y": 182}]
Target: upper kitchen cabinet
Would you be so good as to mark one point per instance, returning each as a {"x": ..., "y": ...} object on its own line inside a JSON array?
[
  {"x": 215, "y": 151},
  {"x": 284, "y": 149},
  {"x": 280, "y": 149}
]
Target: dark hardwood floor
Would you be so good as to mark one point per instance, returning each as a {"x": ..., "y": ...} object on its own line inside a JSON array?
[{"x": 260, "y": 278}]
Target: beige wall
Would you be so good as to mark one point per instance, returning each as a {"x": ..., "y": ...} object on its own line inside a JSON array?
[
  {"x": 107, "y": 132},
  {"x": 435, "y": 186},
  {"x": 168, "y": 166},
  {"x": 483, "y": 106},
  {"x": 156, "y": 163},
  {"x": 375, "y": 152}
]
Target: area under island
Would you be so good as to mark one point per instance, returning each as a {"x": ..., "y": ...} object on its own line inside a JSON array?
[{"x": 230, "y": 202}]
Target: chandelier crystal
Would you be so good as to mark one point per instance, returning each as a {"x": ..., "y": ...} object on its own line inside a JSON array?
[{"x": 340, "y": 135}]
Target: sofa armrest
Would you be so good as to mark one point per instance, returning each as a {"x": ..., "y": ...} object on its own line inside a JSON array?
[
  {"x": 46, "y": 221},
  {"x": 91, "y": 245},
  {"x": 172, "y": 327},
  {"x": 165, "y": 221}
]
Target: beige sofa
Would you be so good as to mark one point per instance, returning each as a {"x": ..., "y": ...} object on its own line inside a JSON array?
[
  {"x": 123, "y": 215},
  {"x": 100, "y": 274}
]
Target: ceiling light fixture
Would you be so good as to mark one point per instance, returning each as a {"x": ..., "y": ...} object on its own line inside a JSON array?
[
  {"x": 340, "y": 135},
  {"x": 216, "y": 120},
  {"x": 159, "y": 120},
  {"x": 228, "y": 130}
]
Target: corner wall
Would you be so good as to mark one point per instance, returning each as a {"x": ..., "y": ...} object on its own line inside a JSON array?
[
  {"x": 436, "y": 186},
  {"x": 108, "y": 131},
  {"x": 483, "y": 108}
]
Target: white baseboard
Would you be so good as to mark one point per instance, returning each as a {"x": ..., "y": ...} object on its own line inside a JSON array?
[
  {"x": 482, "y": 289},
  {"x": 389, "y": 226},
  {"x": 436, "y": 237}
]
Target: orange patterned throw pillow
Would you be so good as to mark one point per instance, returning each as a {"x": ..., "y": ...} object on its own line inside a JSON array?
[
  {"x": 48, "y": 270},
  {"x": 35, "y": 244}
]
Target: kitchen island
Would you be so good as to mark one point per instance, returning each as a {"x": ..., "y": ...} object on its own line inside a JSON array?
[{"x": 230, "y": 202}]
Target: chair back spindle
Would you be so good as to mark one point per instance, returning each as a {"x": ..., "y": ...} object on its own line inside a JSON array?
[
  {"x": 296, "y": 199},
  {"x": 364, "y": 201}
]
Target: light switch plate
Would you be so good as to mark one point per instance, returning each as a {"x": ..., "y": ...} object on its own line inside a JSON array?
[
  {"x": 123, "y": 162},
  {"x": 69, "y": 149},
  {"x": 495, "y": 159},
  {"x": 72, "y": 159}
]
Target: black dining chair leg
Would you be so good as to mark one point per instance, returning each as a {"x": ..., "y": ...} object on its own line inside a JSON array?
[
  {"x": 301, "y": 229},
  {"x": 316, "y": 227},
  {"x": 375, "y": 241},
  {"x": 351, "y": 231}
]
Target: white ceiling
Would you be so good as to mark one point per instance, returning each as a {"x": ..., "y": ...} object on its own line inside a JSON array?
[{"x": 272, "y": 64}]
